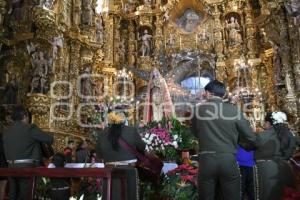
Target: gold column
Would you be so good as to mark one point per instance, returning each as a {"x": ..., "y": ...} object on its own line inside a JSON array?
[
  {"x": 131, "y": 45},
  {"x": 218, "y": 43},
  {"x": 250, "y": 31}
]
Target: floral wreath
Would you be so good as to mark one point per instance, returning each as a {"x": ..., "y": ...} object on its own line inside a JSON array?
[
  {"x": 115, "y": 118},
  {"x": 279, "y": 117}
]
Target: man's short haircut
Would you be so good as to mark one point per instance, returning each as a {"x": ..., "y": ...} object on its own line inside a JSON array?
[
  {"x": 216, "y": 88},
  {"x": 19, "y": 113}
]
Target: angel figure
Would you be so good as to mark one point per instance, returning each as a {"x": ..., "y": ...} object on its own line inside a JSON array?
[{"x": 157, "y": 92}]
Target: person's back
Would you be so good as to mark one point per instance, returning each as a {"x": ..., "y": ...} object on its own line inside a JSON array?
[
  {"x": 219, "y": 127},
  {"x": 129, "y": 134},
  {"x": 115, "y": 155},
  {"x": 22, "y": 146},
  {"x": 222, "y": 123}
]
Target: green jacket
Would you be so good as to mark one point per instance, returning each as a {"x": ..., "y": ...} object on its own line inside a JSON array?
[
  {"x": 220, "y": 126},
  {"x": 268, "y": 146},
  {"x": 22, "y": 141},
  {"x": 105, "y": 151}
]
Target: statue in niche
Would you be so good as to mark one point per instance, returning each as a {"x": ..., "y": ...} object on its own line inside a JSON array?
[
  {"x": 46, "y": 3},
  {"x": 56, "y": 45},
  {"x": 146, "y": 43},
  {"x": 189, "y": 21},
  {"x": 16, "y": 9},
  {"x": 233, "y": 30},
  {"x": 122, "y": 50},
  {"x": 86, "y": 83},
  {"x": 99, "y": 30},
  {"x": 11, "y": 91},
  {"x": 77, "y": 12},
  {"x": 147, "y": 2},
  {"x": 293, "y": 9},
  {"x": 87, "y": 12},
  {"x": 40, "y": 73},
  {"x": 98, "y": 88},
  {"x": 157, "y": 92}
]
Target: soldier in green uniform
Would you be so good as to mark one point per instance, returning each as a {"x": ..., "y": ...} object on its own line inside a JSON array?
[
  {"x": 113, "y": 154},
  {"x": 275, "y": 147},
  {"x": 219, "y": 127},
  {"x": 22, "y": 149}
]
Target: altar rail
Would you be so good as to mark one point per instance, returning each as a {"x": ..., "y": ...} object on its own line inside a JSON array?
[{"x": 106, "y": 173}]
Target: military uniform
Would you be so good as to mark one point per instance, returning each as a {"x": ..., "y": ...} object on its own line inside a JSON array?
[
  {"x": 219, "y": 127},
  {"x": 272, "y": 171},
  {"x": 105, "y": 151},
  {"x": 22, "y": 149}
]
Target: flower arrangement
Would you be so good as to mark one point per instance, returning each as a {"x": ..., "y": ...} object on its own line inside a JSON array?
[
  {"x": 181, "y": 183},
  {"x": 115, "y": 118},
  {"x": 279, "y": 117}
]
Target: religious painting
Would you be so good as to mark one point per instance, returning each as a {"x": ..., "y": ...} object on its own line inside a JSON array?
[{"x": 189, "y": 21}]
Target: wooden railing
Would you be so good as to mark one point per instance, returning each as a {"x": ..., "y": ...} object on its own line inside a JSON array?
[{"x": 105, "y": 173}]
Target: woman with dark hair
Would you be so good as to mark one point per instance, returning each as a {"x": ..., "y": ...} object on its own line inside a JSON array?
[
  {"x": 275, "y": 147},
  {"x": 114, "y": 154}
]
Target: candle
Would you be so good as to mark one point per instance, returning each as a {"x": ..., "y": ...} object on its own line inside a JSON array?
[{"x": 180, "y": 43}]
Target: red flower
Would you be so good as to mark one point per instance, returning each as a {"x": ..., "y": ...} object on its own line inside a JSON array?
[{"x": 187, "y": 178}]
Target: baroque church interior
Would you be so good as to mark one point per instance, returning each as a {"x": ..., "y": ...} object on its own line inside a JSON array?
[{"x": 70, "y": 61}]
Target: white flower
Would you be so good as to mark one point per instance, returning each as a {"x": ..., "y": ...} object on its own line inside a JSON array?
[
  {"x": 147, "y": 135},
  {"x": 175, "y": 144},
  {"x": 175, "y": 137},
  {"x": 279, "y": 117}
]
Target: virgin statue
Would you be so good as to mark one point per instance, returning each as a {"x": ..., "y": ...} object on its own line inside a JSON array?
[
  {"x": 233, "y": 28},
  {"x": 158, "y": 102}
]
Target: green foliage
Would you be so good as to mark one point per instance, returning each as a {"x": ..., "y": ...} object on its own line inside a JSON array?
[{"x": 188, "y": 139}]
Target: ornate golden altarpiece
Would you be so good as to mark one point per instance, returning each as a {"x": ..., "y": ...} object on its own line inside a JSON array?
[{"x": 51, "y": 48}]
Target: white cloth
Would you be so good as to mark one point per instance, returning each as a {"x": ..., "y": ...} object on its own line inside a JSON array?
[
  {"x": 167, "y": 166},
  {"x": 80, "y": 165}
]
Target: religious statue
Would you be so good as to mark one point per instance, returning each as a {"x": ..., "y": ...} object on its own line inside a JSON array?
[
  {"x": 233, "y": 30},
  {"x": 146, "y": 44},
  {"x": 77, "y": 12},
  {"x": 122, "y": 50},
  {"x": 99, "y": 30},
  {"x": 11, "y": 91},
  {"x": 86, "y": 83},
  {"x": 158, "y": 102},
  {"x": 293, "y": 9},
  {"x": 166, "y": 16},
  {"x": 87, "y": 12},
  {"x": 40, "y": 73},
  {"x": 57, "y": 43},
  {"x": 16, "y": 9},
  {"x": 46, "y": 3}
]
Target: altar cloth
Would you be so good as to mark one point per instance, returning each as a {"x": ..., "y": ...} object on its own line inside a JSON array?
[{"x": 167, "y": 166}]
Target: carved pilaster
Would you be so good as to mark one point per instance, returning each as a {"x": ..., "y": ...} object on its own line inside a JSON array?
[
  {"x": 158, "y": 35},
  {"x": 131, "y": 45},
  {"x": 250, "y": 31}
]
